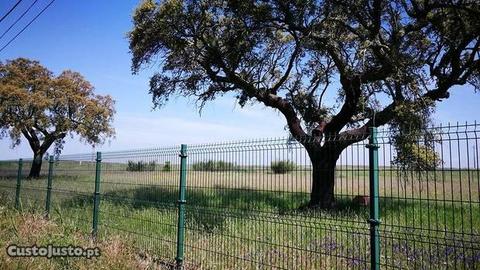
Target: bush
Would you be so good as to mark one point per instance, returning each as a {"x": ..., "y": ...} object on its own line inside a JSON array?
[
  {"x": 213, "y": 166},
  {"x": 167, "y": 167},
  {"x": 416, "y": 157},
  {"x": 141, "y": 166},
  {"x": 282, "y": 166}
]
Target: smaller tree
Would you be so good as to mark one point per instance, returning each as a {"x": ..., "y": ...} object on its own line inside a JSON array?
[{"x": 45, "y": 108}]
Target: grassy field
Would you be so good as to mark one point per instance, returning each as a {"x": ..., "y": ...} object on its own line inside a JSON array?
[{"x": 253, "y": 219}]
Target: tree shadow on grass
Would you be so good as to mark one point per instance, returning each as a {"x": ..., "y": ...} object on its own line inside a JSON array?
[{"x": 208, "y": 209}]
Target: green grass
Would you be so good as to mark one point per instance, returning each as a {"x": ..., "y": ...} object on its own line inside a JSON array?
[{"x": 245, "y": 219}]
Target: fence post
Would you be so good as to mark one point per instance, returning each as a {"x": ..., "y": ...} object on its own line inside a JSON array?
[
  {"x": 49, "y": 187},
  {"x": 19, "y": 184},
  {"x": 374, "y": 219},
  {"x": 96, "y": 194},
  {"x": 181, "y": 207}
]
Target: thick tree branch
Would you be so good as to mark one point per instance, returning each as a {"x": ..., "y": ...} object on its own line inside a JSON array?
[
  {"x": 352, "y": 91},
  {"x": 262, "y": 95}
]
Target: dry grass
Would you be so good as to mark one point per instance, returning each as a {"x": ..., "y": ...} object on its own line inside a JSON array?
[
  {"x": 33, "y": 229},
  {"x": 441, "y": 185}
]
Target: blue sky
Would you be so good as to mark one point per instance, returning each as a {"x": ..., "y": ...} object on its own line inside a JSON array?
[{"x": 90, "y": 37}]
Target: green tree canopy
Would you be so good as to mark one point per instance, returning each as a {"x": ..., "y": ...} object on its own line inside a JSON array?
[
  {"x": 45, "y": 108},
  {"x": 380, "y": 57}
]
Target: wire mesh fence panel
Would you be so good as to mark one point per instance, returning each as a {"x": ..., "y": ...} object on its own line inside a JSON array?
[
  {"x": 430, "y": 202},
  {"x": 139, "y": 191},
  {"x": 246, "y": 209},
  {"x": 8, "y": 182},
  {"x": 274, "y": 203},
  {"x": 72, "y": 191},
  {"x": 32, "y": 192}
]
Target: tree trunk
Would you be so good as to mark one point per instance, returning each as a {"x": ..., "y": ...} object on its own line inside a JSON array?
[
  {"x": 36, "y": 165},
  {"x": 324, "y": 161},
  {"x": 323, "y": 183}
]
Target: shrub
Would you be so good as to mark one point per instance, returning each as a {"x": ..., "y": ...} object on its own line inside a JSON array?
[
  {"x": 141, "y": 166},
  {"x": 167, "y": 167},
  {"x": 416, "y": 157},
  {"x": 213, "y": 166},
  {"x": 282, "y": 166}
]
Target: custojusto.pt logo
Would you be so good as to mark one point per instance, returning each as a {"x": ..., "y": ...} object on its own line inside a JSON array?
[{"x": 51, "y": 251}]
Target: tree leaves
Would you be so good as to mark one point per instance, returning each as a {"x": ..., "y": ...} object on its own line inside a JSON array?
[
  {"x": 290, "y": 54},
  {"x": 45, "y": 108}
]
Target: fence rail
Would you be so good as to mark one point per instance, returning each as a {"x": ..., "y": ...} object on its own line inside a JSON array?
[{"x": 243, "y": 205}]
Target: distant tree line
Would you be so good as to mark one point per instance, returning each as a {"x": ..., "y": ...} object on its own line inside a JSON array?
[
  {"x": 143, "y": 166},
  {"x": 214, "y": 166}
]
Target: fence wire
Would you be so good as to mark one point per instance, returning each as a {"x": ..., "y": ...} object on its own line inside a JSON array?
[{"x": 247, "y": 202}]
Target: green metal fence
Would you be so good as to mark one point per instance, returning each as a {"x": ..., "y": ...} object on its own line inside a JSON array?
[{"x": 242, "y": 205}]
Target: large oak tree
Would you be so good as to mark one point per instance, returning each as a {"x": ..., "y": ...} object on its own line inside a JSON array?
[
  {"x": 45, "y": 108},
  {"x": 388, "y": 62}
]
